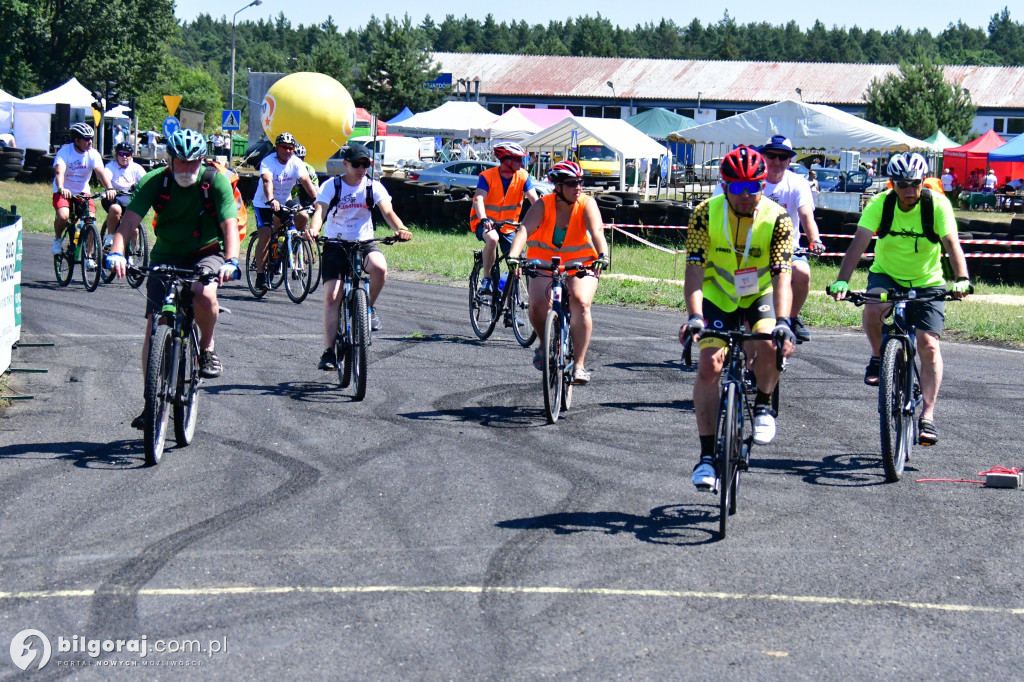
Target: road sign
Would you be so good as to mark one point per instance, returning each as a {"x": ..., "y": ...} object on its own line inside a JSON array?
[
  {"x": 231, "y": 119},
  {"x": 572, "y": 140},
  {"x": 172, "y": 102},
  {"x": 171, "y": 126},
  {"x": 663, "y": 161}
]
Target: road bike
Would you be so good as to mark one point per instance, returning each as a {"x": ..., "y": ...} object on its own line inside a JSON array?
[
  {"x": 899, "y": 380},
  {"x": 354, "y": 334},
  {"x": 172, "y": 369},
  {"x": 80, "y": 243},
  {"x": 289, "y": 258},
  {"x": 508, "y": 298},
  {"x": 136, "y": 251},
  {"x": 556, "y": 344},
  {"x": 733, "y": 441}
]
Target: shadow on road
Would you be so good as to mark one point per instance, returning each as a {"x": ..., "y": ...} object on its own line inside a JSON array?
[
  {"x": 507, "y": 416},
  {"x": 675, "y": 524},
  {"x": 121, "y": 454},
  {"x": 648, "y": 366},
  {"x": 851, "y": 470},
  {"x": 686, "y": 405},
  {"x": 303, "y": 391}
]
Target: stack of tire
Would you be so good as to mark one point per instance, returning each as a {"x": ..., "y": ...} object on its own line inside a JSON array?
[
  {"x": 42, "y": 171},
  {"x": 12, "y": 161},
  {"x": 1002, "y": 269}
]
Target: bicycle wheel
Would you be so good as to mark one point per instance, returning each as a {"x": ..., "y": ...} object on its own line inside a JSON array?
[
  {"x": 483, "y": 308},
  {"x": 158, "y": 383},
  {"x": 64, "y": 262},
  {"x": 250, "y": 268},
  {"x": 106, "y": 275},
  {"x": 275, "y": 265},
  {"x": 360, "y": 337},
  {"x": 519, "y": 308},
  {"x": 137, "y": 253},
  {"x": 314, "y": 266},
  {"x": 897, "y": 425},
  {"x": 727, "y": 454},
  {"x": 342, "y": 357},
  {"x": 92, "y": 249},
  {"x": 554, "y": 371},
  {"x": 296, "y": 271},
  {"x": 186, "y": 407},
  {"x": 568, "y": 359}
]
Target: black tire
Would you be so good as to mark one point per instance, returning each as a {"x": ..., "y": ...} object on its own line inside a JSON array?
[
  {"x": 896, "y": 428},
  {"x": 91, "y": 244},
  {"x": 64, "y": 262},
  {"x": 519, "y": 307},
  {"x": 314, "y": 266},
  {"x": 360, "y": 339},
  {"x": 107, "y": 275},
  {"x": 186, "y": 407},
  {"x": 158, "y": 382},
  {"x": 483, "y": 310},
  {"x": 554, "y": 371},
  {"x": 727, "y": 454},
  {"x": 566, "y": 379},
  {"x": 297, "y": 275},
  {"x": 250, "y": 267},
  {"x": 343, "y": 358},
  {"x": 137, "y": 252}
]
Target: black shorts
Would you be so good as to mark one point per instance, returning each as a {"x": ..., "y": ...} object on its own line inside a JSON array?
[
  {"x": 717, "y": 319},
  {"x": 928, "y": 316},
  {"x": 335, "y": 263},
  {"x": 156, "y": 287},
  {"x": 121, "y": 200},
  {"x": 504, "y": 240}
]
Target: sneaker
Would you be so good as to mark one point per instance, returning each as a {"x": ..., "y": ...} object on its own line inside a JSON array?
[
  {"x": 56, "y": 250},
  {"x": 485, "y": 286},
  {"x": 799, "y": 329},
  {"x": 927, "y": 435},
  {"x": 328, "y": 361},
  {"x": 704, "y": 476},
  {"x": 140, "y": 422},
  {"x": 261, "y": 281},
  {"x": 538, "y": 359},
  {"x": 209, "y": 365},
  {"x": 764, "y": 424},
  {"x": 871, "y": 371},
  {"x": 580, "y": 375},
  {"x": 374, "y": 322},
  {"x": 90, "y": 264}
]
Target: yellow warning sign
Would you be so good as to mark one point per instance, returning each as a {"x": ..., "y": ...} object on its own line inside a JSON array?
[
  {"x": 172, "y": 102},
  {"x": 96, "y": 116}
]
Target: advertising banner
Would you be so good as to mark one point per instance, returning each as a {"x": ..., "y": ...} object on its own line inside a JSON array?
[{"x": 10, "y": 286}]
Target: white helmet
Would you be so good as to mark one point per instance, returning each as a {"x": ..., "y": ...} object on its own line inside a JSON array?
[{"x": 907, "y": 166}]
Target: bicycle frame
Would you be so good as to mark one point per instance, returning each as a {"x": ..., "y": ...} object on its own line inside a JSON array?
[{"x": 177, "y": 313}]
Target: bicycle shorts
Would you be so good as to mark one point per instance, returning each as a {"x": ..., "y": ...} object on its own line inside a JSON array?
[
  {"x": 60, "y": 202},
  {"x": 927, "y": 316},
  {"x": 504, "y": 240},
  {"x": 120, "y": 200},
  {"x": 759, "y": 316},
  {"x": 156, "y": 287},
  {"x": 335, "y": 264}
]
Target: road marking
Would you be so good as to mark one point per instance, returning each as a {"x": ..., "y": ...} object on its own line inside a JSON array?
[{"x": 479, "y": 589}]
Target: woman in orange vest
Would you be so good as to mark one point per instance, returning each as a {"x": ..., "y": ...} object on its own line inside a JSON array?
[{"x": 567, "y": 224}]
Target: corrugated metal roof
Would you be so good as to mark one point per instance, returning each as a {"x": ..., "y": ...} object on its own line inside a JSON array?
[{"x": 994, "y": 87}]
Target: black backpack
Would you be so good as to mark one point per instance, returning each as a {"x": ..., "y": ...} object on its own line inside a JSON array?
[
  {"x": 205, "y": 183},
  {"x": 337, "y": 197},
  {"x": 927, "y": 217}
]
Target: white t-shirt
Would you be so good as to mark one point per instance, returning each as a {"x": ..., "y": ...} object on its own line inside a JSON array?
[
  {"x": 77, "y": 167},
  {"x": 947, "y": 182},
  {"x": 990, "y": 181},
  {"x": 791, "y": 193},
  {"x": 284, "y": 176},
  {"x": 350, "y": 218},
  {"x": 124, "y": 178},
  {"x": 151, "y": 138}
]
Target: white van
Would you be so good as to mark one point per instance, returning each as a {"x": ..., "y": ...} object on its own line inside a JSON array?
[{"x": 388, "y": 150}]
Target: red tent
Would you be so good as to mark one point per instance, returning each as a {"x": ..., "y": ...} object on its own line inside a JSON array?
[
  {"x": 974, "y": 155},
  {"x": 363, "y": 118}
]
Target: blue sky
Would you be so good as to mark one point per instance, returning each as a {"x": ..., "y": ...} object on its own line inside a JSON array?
[{"x": 934, "y": 15}]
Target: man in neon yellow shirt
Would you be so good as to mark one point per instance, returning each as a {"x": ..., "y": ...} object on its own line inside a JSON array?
[{"x": 914, "y": 226}]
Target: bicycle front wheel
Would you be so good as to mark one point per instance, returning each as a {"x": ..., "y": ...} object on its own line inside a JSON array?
[
  {"x": 728, "y": 442},
  {"x": 360, "y": 339},
  {"x": 519, "y": 308},
  {"x": 159, "y": 381},
  {"x": 895, "y": 421},
  {"x": 568, "y": 359},
  {"x": 137, "y": 252},
  {"x": 314, "y": 266},
  {"x": 554, "y": 370},
  {"x": 186, "y": 406},
  {"x": 297, "y": 275},
  {"x": 483, "y": 306},
  {"x": 250, "y": 268},
  {"x": 106, "y": 275},
  {"x": 64, "y": 262},
  {"x": 91, "y": 252}
]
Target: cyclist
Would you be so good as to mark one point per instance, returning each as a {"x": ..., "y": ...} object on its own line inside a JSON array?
[
  {"x": 187, "y": 236},
  {"x": 279, "y": 172},
  {"x": 499, "y": 196},
  {"x": 298, "y": 191},
  {"x": 124, "y": 175},
  {"x": 914, "y": 226},
  {"x": 344, "y": 208},
  {"x": 567, "y": 224},
  {"x": 73, "y": 165},
  {"x": 739, "y": 258}
]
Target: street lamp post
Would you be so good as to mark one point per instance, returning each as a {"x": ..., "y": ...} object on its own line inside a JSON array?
[{"x": 231, "y": 134}]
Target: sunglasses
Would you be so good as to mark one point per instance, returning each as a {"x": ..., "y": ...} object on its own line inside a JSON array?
[
  {"x": 361, "y": 163},
  {"x": 775, "y": 156},
  {"x": 573, "y": 183},
  {"x": 748, "y": 186},
  {"x": 124, "y": 154},
  {"x": 903, "y": 184},
  {"x": 513, "y": 159}
]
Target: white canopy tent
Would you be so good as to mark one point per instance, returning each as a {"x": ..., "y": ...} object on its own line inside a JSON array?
[
  {"x": 451, "y": 119},
  {"x": 32, "y": 114},
  {"x": 512, "y": 125},
  {"x": 72, "y": 92},
  {"x": 7, "y": 102},
  {"x": 626, "y": 141}
]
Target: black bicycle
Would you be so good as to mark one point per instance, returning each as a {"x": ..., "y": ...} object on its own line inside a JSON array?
[
  {"x": 732, "y": 440},
  {"x": 289, "y": 258},
  {"x": 80, "y": 243},
  {"x": 899, "y": 379},
  {"x": 354, "y": 334},
  {"x": 136, "y": 252},
  {"x": 508, "y": 297},
  {"x": 172, "y": 367}
]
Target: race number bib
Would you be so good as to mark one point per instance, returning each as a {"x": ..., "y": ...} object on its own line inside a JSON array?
[{"x": 745, "y": 281}]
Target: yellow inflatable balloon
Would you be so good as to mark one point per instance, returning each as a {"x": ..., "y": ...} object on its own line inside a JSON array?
[{"x": 315, "y": 108}]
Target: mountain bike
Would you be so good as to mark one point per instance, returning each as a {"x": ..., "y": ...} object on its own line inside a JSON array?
[
  {"x": 289, "y": 258},
  {"x": 136, "y": 251},
  {"x": 354, "y": 335},
  {"x": 556, "y": 344},
  {"x": 508, "y": 297},
  {"x": 172, "y": 369},
  {"x": 80, "y": 243},
  {"x": 899, "y": 379},
  {"x": 735, "y": 410}
]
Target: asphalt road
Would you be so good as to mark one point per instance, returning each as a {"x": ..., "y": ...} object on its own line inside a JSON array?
[{"x": 440, "y": 529}]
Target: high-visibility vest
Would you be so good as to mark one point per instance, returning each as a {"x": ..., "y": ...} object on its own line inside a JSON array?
[
  {"x": 499, "y": 204},
  {"x": 722, "y": 260},
  {"x": 576, "y": 249}
]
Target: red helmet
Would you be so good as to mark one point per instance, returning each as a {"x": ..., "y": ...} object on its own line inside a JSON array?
[
  {"x": 503, "y": 149},
  {"x": 563, "y": 170},
  {"x": 743, "y": 163}
]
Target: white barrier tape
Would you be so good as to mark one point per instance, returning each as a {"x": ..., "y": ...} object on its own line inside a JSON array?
[
  {"x": 644, "y": 241},
  {"x": 648, "y": 227},
  {"x": 984, "y": 242}
]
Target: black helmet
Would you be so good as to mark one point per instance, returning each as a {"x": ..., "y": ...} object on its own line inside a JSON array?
[
  {"x": 285, "y": 138},
  {"x": 123, "y": 147}
]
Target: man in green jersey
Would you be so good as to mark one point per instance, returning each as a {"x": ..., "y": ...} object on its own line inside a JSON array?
[{"x": 915, "y": 226}]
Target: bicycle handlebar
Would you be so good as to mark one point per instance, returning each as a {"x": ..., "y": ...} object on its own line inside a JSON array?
[
  {"x": 353, "y": 242},
  {"x": 533, "y": 266},
  {"x": 190, "y": 274},
  {"x": 739, "y": 337},
  {"x": 859, "y": 298}
]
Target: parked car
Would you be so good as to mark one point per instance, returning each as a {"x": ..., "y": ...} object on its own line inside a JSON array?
[
  {"x": 835, "y": 180},
  {"x": 708, "y": 171},
  {"x": 465, "y": 174}
]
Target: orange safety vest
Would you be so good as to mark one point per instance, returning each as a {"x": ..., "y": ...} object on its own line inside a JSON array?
[
  {"x": 499, "y": 204},
  {"x": 577, "y": 248}
]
